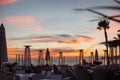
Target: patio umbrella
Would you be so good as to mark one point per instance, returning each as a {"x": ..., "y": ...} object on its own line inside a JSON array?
[
  {"x": 92, "y": 58},
  {"x": 96, "y": 55},
  {"x": 3, "y": 45},
  {"x": 47, "y": 58}
]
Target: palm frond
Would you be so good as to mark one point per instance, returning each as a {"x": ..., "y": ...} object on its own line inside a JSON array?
[
  {"x": 118, "y": 36},
  {"x": 118, "y": 31},
  {"x": 104, "y": 23},
  {"x": 99, "y": 28},
  {"x": 115, "y": 38},
  {"x": 106, "y": 7},
  {"x": 117, "y": 1}
]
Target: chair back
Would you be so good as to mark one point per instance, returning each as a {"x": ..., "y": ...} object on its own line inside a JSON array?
[
  {"x": 6, "y": 75},
  {"x": 43, "y": 72},
  {"x": 37, "y": 77},
  {"x": 56, "y": 77},
  {"x": 99, "y": 74},
  {"x": 70, "y": 73},
  {"x": 23, "y": 78},
  {"x": 82, "y": 74},
  {"x": 48, "y": 74},
  {"x": 111, "y": 75},
  {"x": 20, "y": 71}
]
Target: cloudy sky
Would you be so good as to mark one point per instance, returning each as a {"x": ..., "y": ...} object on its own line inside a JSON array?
[{"x": 54, "y": 24}]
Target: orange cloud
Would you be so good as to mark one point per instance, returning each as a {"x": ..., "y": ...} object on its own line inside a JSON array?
[
  {"x": 34, "y": 52},
  {"x": 54, "y": 52},
  {"x": 6, "y": 2},
  {"x": 10, "y": 49},
  {"x": 11, "y": 52},
  {"x": 78, "y": 40},
  {"x": 87, "y": 40},
  {"x": 69, "y": 42},
  {"x": 59, "y": 38}
]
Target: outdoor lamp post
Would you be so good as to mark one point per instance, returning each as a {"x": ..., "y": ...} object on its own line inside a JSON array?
[
  {"x": 81, "y": 57},
  {"x": 92, "y": 58},
  {"x": 60, "y": 58}
]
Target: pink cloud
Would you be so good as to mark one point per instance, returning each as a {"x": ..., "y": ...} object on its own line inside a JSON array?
[
  {"x": 26, "y": 22},
  {"x": 46, "y": 39},
  {"x": 20, "y": 20},
  {"x": 6, "y": 2},
  {"x": 114, "y": 27},
  {"x": 35, "y": 27}
]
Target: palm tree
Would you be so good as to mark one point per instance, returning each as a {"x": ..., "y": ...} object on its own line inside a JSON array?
[{"x": 104, "y": 24}]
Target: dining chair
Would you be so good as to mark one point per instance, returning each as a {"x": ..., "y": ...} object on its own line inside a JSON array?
[
  {"x": 20, "y": 71},
  {"x": 48, "y": 74},
  {"x": 37, "y": 77},
  {"x": 82, "y": 74},
  {"x": 56, "y": 77},
  {"x": 43, "y": 72},
  {"x": 99, "y": 74}
]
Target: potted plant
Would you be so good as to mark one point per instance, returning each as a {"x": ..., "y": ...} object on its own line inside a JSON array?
[{"x": 10, "y": 65}]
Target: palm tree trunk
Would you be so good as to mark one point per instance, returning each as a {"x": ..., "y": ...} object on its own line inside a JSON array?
[
  {"x": 119, "y": 54},
  {"x": 106, "y": 40}
]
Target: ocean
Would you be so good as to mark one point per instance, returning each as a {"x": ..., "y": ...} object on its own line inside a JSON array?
[{"x": 55, "y": 60}]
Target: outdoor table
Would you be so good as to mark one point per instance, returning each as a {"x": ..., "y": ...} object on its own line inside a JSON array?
[
  {"x": 45, "y": 79},
  {"x": 90, "y": 71},
  {"x": 117, "y": 75},
  {"x": 24, "y": 76}
]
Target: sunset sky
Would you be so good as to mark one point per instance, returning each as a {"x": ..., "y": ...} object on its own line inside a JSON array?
[{"x": 54, "y": 24}]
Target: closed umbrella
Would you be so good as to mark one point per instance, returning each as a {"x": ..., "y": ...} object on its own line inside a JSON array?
[
  {"x": 96, "y": 55},
  {"x": 3, "y": 45},
  {"x": 92, "y": 58},
  {"x": 47, "y": 58}
]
